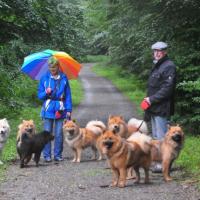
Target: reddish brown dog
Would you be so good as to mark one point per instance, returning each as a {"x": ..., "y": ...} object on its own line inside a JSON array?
[
  {"x": 167, "y": 150},
  {"x": 123, "y": 154}
]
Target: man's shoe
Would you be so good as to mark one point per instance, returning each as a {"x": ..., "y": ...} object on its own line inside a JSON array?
[
  {"x": 58, "y": 159},
  {"x": 47, "y": 160},
  {"x": 157, "y": 168}
]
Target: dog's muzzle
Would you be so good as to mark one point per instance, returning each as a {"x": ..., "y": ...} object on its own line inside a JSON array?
[
  {"x": 2, "y": 132},
  {"x": 29, "y": 130},
  {"x": 71, "y": 132},
  {"x": 108, "y": 144},
  {"x": 116, "y": 129},
  {"x": 177, "y": 138}
]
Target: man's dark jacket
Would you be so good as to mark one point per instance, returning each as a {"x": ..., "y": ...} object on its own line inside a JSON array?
[{"x": 161, "y": 85}]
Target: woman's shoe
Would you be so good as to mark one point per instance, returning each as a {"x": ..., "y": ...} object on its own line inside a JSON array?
[{"x": 47, "y": 160}]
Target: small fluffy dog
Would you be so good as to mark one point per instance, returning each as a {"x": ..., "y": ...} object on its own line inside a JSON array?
[
  {"x": 123, "y": 154},
  {"x": 4, "y": 133},
  {"x": 117, "y": 124},
  {"x": 167, "y": 150},
  {"x": 34, "y": 144},
  {"x": 79, "y": 138},
  {"x": 26, "y": 127},
  {"x": 135, "y": 125}
]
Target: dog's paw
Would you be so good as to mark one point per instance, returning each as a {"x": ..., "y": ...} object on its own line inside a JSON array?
[{"x": 169, "y": 178}]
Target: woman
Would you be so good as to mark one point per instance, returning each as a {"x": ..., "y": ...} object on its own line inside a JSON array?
[{"x": 55, "y": 92}]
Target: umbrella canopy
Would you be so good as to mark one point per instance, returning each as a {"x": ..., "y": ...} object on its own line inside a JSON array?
[{"x": 36, "y": 65}]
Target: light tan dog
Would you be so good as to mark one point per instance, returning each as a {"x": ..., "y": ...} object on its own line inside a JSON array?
[
  {"x": 26, "y": 127},
  {"x": 123, "y": 154},
  {"x": 79, "y": 138},
  {"x": 117, "y": 124},
  {"x": 167, "y": 150}
]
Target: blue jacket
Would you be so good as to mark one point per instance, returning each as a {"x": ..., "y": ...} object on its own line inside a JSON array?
[{"x": 58, "y": 100}]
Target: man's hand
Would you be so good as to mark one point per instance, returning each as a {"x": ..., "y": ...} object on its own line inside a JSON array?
[
  {"x": 145, "y": 104},
  {"x": 148, "y": 100}
]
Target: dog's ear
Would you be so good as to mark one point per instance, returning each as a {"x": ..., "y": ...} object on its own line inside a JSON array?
[
  {"x": 110, "y": 117},
  {"x": 65, "y": 121},
  {"x": 168, "y": 127},
  {"x": 121, "y": 117}
]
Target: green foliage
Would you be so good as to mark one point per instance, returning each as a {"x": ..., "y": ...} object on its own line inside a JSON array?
[
  {"x": 189, "y": 156},
  {"x": 31, "y": 26}
]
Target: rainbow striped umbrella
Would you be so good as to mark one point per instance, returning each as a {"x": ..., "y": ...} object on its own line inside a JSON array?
[{"x": 36, "y": 65}]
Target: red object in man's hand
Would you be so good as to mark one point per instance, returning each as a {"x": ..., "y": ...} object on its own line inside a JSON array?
[
  {"x": 144, "y": 105},
  {"x": 58, "y": 115}
]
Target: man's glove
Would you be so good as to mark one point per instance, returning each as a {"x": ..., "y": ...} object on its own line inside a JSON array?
[{"x": 144, "y": 104}]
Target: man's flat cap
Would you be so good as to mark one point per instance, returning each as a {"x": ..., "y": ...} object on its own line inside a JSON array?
[{"x": 159, "y": 46}]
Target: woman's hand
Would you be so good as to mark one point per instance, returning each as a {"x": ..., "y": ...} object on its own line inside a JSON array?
[
  {"x": 48, "y": 90},
  {"x": 68, "y": 115}
]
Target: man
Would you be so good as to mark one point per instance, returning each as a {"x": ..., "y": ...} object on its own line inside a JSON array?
[{"x": 159, "y": 103}]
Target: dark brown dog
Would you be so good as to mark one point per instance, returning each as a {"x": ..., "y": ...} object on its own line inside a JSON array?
[
  {"x": 123, "y": 154},
  {"x": 35, "y": 144},
  {"x": 167, "y": 150}
]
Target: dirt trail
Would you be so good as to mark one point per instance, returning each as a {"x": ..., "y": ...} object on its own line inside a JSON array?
[{"x": 83, "y": 181}]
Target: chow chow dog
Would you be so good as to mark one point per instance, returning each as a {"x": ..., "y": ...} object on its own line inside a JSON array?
[
  {"x": 135, "y": 125},
  {"x": 26, "y": 127},
  {"x": 168, "y": 149},
  {"x": 34, "y": 144},
  {"x": 79, "y": 138},
  {"x": 123, "y": 154},
  {"x": 4, "y": 133},
  {"x": 117, "y": 124}
]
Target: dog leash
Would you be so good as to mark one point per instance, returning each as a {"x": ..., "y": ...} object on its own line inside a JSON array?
[{"x": 138, "y": 129}]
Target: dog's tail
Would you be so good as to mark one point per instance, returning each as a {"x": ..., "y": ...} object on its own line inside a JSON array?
[
  {"x": 135, "y": 125},
  {"x": 97, "y": 127},
  {"x": 142, "y": 140}
]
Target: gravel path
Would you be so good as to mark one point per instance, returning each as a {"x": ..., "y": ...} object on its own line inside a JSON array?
[{"x": 84, "y": 181}]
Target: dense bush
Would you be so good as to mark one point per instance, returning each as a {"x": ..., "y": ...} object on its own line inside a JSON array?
[{"x": 30, "y": 26}]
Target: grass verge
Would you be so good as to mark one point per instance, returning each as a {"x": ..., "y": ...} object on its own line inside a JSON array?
[{"x": 9, "y": 151}]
